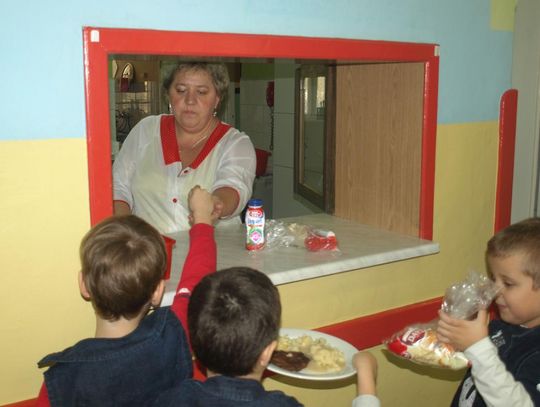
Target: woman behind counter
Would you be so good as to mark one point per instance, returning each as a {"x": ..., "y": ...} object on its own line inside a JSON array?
[{"x": 164, "y": 156}]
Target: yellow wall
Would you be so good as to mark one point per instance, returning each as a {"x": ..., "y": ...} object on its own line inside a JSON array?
[
  {"x": 42, "y": 227},
  {"x": 463, "y": 222},
  {"x": 502, "y": 14},
  {"x": 44, "y": 213}
]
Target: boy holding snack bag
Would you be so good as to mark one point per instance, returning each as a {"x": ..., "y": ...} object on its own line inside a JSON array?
[{"x": 504, "y": 354}]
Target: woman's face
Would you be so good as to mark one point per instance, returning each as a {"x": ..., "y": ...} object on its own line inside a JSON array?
[{"x": 193, "y": 99}]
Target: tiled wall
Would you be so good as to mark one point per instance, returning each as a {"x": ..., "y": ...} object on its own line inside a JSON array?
[
  {"x": 255, "y": 116},
  {"x": 285, "y": 202},
  {"x": 255, "y": 120}
]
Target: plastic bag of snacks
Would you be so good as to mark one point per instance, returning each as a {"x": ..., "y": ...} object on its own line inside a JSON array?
[
  {"x": 419, "y": 343},
  {"x": 284, "y": 234}
]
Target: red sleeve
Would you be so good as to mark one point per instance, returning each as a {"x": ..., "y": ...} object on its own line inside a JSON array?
[
  {"x": 200, "y": 261},
  {"x": 43, "y": 398}
]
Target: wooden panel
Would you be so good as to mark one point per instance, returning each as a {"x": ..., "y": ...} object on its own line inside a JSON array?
[{"x": 379, "y": 144}]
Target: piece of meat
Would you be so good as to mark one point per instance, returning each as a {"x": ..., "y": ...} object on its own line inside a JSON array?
[{"x": 293, "y": 361}]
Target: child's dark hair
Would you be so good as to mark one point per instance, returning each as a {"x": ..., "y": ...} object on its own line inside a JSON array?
[
  {"x": 123, "y": 259},
  {"x": 233, "y": 315},
  {"x": 520, "y": 238}
]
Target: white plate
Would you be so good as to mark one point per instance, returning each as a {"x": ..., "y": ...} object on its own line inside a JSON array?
[{"x": 347, "y": 349}]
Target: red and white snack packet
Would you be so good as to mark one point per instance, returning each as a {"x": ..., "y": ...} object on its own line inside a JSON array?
[
  {"x": 419, "y": 343},
  {"x": 285, "y": 234}
]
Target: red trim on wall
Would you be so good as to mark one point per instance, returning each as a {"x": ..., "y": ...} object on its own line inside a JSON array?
[
  {"x": 98, "y": 127},
  {"x": 134, "y": 41},
  {"x": 427, "y": 183},
  {"x": 100, "y": 43},
  {"x": 372, "y": 330},
  {"x": 364, "y": 332},
  {"x": 505, "y": 172}
]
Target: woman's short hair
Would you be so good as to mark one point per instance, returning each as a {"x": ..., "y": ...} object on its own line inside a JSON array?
[
  {"x": 217, "y": 71},
  {"x": 522, "y": 238},
  {"x": 233, "y": 315},
  {"x": 123, "y": 259}
]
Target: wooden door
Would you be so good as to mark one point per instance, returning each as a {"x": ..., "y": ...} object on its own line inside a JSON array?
[{"x": 379, "y": 109}]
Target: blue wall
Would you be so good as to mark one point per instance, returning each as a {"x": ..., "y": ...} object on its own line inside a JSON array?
[{"x": 42, "y": 55}]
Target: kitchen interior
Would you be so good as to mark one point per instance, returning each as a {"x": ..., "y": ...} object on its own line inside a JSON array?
[
  {"x": 322, "y": 156},
  {"x": 260, "y": 102}
]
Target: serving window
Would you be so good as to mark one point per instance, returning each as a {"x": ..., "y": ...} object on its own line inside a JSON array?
[{"x": 384, "y": 118}]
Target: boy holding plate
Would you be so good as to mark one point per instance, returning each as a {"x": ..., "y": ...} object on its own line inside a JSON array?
[{"x": 234, "y": 319}]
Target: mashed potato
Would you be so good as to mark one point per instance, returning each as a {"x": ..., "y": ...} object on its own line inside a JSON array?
[{"x": 324, "y": 358}]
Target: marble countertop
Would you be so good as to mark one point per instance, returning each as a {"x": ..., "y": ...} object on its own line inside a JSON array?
[{"x": 360, "y": 246}]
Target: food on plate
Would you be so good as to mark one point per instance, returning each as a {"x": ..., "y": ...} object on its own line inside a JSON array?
[
  {"x": 323, "y": 358},
  {"x": 293, "y": 361},
  {"x": 420, "y": 344}
]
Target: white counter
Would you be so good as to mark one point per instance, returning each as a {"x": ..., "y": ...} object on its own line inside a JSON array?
[{"x": 360, "y": 246}]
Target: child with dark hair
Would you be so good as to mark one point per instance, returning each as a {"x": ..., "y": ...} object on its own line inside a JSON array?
[
  {"x": 234, "y": 319},
  {"x": 504, "y": 355},
  {"x": 136, "y": 353}
]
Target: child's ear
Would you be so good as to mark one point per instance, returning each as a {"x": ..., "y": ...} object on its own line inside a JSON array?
[
  {"x": 82, "y": 288},
  {"x": 158, "y": 294},
  {"x": 266, "y": 354}
]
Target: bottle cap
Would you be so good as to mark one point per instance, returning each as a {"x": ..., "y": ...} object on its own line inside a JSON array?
[{"x": 255, "y": 202}]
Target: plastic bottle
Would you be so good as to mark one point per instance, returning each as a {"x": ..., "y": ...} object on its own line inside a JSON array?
[{"x": 255, "y": 225}]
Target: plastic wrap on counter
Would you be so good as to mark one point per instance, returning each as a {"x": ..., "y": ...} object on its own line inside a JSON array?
[
  {"x": 418, "y": 342},
  {"x": 291, "y": 234}
]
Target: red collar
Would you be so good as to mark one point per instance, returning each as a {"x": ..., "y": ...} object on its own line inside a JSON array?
[{"x": 169, "y": 144}]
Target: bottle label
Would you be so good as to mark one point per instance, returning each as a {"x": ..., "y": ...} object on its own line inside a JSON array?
[
  {"x": 255, "y": 213},
  {"x": 254, "y": 228}
]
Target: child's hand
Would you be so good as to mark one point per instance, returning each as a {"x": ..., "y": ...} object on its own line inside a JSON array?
[
  {"x": 462, "y": 333},
  {"x": 366, "y": 368},
  {"x": 201, "y": 205}
]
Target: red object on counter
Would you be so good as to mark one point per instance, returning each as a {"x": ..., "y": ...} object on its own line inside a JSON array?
[
  {"x": 318, "y": 239},
  {"x": 169, "y": 244}
]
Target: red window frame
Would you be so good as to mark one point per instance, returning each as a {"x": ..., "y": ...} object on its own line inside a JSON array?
[{"x": 100, "y": 43}]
